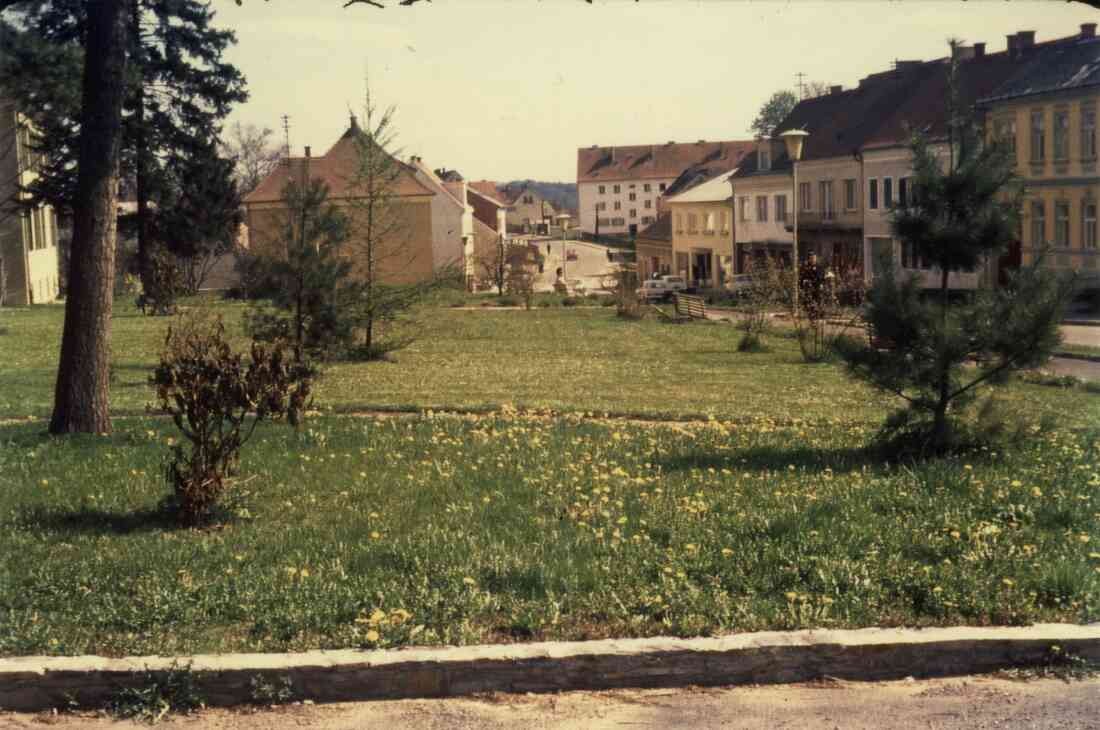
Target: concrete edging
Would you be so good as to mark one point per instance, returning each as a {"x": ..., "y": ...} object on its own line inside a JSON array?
[{"x": 39, "y": 683}]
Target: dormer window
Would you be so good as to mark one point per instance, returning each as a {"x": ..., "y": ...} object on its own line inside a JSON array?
[{"x": 764, "y": 161}]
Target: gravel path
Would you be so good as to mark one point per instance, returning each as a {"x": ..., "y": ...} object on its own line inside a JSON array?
[{"x": 972, "y": 703}]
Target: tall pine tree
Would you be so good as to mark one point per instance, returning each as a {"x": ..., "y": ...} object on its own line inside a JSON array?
[
  {"x": 178, "y": 90},
  {"x": 935, "y": 350}
]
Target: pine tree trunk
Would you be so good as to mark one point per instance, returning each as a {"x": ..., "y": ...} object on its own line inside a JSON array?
[
  {"x": 939, "y": 425},
  {"x": 81, "y": 398}
]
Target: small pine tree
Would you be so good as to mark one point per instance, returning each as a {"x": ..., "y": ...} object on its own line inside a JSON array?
[
  {"x": 934, "y": 352},
  {"x": 310, "y": 293}
]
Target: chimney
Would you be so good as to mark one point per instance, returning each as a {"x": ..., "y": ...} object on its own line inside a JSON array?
[
  {"x": 671, "y": 142},
  {"x": 1025, "y": 39},
  {"x": 979, "y": 50},
  {"x": 702, "y": 141},
  {"x": 835, "y": 89},
  {"x": 962, "y": 53},
  {"x": 309, "y": 152},
  {"x": 613, "y": 154},
  {"x": 1011, "y": 48},
  {"x": 1088, "y": 30}
]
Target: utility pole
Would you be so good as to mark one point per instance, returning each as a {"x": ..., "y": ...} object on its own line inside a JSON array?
[
  {"x": 286, "y": 134},
  {"x": 801, "y": 85}
]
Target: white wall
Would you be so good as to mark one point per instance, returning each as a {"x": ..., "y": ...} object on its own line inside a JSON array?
[{"x": 588, "y": 196}]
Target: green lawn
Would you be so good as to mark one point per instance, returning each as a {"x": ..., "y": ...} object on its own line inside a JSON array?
[
  {"x": 364, "y": 532},
  {"x": 513, "y": 527},
  {"x": 561, "y": 359}
]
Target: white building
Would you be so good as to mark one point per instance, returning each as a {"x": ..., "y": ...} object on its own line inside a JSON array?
[{"x": 620, "y": 188}]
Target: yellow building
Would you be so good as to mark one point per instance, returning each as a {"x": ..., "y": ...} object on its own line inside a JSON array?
[
  {"x": 1046, "y": 113},
  {"x": 702, "y": 233}
]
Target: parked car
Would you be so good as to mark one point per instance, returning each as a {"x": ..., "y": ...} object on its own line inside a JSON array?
[{"x": 661, "y": 289}]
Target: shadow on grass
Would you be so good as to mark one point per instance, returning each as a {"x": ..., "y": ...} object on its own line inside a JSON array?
[
  {"x": 775, "y": 458},
  {"x": 91, "y": 521}
]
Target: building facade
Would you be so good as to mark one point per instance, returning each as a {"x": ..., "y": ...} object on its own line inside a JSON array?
[
  {"x": 654, "y": 248},
  {"x": 1046, "y": 114},
  {"x": 762, "y": 212},
  {"x": 406, "y": 253},
  {"x": 620, "y": 188},
  {"x": 702, "y": 233},
  {"x": 28, "y": 240}
]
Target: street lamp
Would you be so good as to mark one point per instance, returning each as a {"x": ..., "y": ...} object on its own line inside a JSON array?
[{"x": 793, "y": 139}]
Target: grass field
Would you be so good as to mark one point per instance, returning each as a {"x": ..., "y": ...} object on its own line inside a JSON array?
[
  {"x": 563, "y": 359},
  {"x": 363, "y": 532},
  {"x": 515, "y": 526}
]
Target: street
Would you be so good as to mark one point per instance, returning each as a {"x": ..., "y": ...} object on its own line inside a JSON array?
[
  {"x": 587, "y": 271},
  {"x": 972, "y": 702}
]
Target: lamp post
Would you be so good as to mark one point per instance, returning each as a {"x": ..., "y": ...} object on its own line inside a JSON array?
[{"x": 793, "y": 139}]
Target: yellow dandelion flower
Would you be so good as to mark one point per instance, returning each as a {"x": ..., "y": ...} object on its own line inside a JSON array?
[
  {"x": 727, "y": 552},
  {"x": 372, "y": 636},
  {"x": 1008, "y": 582}
]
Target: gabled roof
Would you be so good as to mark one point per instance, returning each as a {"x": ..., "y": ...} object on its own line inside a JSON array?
[
  {"x": 1070, "y": 63},
  {"x": 337, "y": 168},
  {"x": 489, "y": 190},
  {"x": 658, "y": 230},
  {"x": 655, "y": 161},
  {"x": 715, "y": 190}
]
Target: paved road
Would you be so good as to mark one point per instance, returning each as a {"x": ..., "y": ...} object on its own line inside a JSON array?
[
  {"x": 589, "y": 268},
  {"x": 972, "y": 703},
  {"x": 1072, "y": 334},
  {"x": 1081, "y": 335}
]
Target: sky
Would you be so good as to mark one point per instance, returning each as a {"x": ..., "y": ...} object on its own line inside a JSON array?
[{"x": 510, "y": 89}]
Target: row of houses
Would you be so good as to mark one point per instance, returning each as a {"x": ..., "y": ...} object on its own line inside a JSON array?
[{"x": 1039, "y": 99}]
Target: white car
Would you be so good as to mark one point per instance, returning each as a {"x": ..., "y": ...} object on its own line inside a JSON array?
[{"x": 660, "y": 289}]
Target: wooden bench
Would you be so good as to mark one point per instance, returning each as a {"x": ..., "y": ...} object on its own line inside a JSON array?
[{"x": 690, "y": 307}]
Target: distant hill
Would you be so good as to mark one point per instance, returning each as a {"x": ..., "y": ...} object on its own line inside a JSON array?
[{"x": 560, "y": 195}]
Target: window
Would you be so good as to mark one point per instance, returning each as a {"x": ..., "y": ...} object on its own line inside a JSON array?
[
  {"x": 710, "y": 222},
  {"x": 528, "y": 199},
  {"x": 1061, "y": 134},
  {"x": 646, "y": 188},
  {"x": 601, "y": 205},
  {"x": 616, "y": 189},
  {"x": 725, "y": 222},
  {"x": 872, "y": 194},
  {"x": 765, "y": 160},
  {"x": 648, "y": 204},
  {"x": 679, "y": 223},
  {"x": 633, "y": 196},
  {"x": 633, "y": 212},
  {"x": 887, "y": 192},
  {"x": 618, "y": 205},
  {"x": 1038, "y": 137},
  {"x": 849, "y": 195},
  {"x": 781, "y": 208},
  {"x": 693, "y": 223},
  {"x": 805, "y": 201},
  {"x": 761, "y": 207},
  {"x": 661, "y": 187},
  {"x": 910, "y": 259},
  {"x": 1088, "y": 132},
  {"x": 646, "y": 219},
  {"x": 1004, "y": 131},
  {"x": 603, "y": 189},
  {"x": 1088, "y": 224},
  {"x": 1038, "y": 223},
  {"x": 903, "y": 191},
  {"x": 825, "y": 190},
  {"x": 618, "y": 222},
  {"x": 1061, "y": 224},
  {"x": 743, "y": 202}
]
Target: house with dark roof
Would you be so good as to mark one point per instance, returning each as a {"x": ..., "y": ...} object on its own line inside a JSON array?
[
  {"x": 620, "y": 188},
  {"x": 406, "y": 254},
  {"x": 856, "y": 163},
  {"x": 1045, "y": 111}
]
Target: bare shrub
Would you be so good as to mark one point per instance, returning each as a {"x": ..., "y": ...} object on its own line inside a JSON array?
[{"x": 216, "y": 401}]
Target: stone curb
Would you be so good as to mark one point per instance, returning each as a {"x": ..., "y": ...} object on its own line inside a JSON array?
[{"x": 38, "y": 683}]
